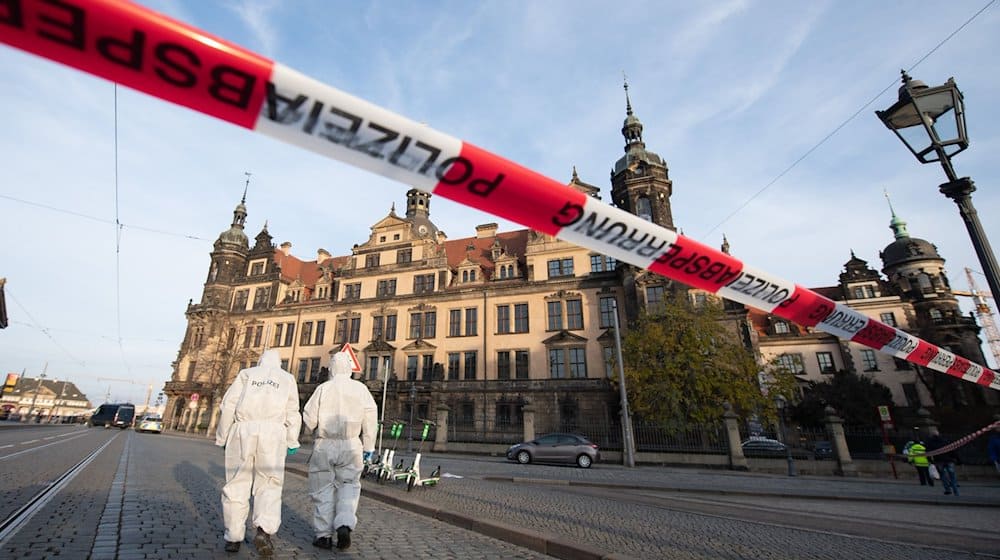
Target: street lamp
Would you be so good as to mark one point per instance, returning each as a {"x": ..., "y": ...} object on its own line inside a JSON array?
[
  {"x": 628, "y": 440},
  {"x": 35, "y": 398},
  {"x": 780, "y": 403},
  {"x": 931, "y": 123}
]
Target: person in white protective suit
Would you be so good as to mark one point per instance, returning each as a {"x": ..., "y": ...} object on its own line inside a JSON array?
[
  {"x": 259, "y": 425},
  {"x": 345, "y": 417}
]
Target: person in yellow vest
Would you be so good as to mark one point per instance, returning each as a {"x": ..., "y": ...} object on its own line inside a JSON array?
[{"x": 919, "y": 460}]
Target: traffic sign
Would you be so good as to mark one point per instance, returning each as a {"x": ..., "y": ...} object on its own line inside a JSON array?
[
  {"x": 356, "y": 365},
  {"x": 883, "y": 413}
]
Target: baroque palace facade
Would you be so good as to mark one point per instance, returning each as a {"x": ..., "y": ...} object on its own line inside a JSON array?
[{"x": 490, "y": 323}]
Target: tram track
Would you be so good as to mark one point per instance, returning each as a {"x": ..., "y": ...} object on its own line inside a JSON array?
[{"x": 15, "y": 521}]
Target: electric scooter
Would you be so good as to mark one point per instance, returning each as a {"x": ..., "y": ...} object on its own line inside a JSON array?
[{"x": 413, "y": 478}]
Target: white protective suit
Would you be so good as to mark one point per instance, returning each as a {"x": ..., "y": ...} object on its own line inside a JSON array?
[
  {"x": 259, "y": 422},
  {"x": 345, "y": 416}
]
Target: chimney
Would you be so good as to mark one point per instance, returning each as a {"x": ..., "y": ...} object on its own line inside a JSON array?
[
  {"x": 486, "y": 230},
  {"x": 286, "y": 248}
]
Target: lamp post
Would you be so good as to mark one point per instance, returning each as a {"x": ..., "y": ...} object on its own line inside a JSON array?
[
  {"x": 780, "y": 403},
  {"x": 931, "y": 123},
  {"x": 628, "y": 440},
  {"x": 35, "y": 398},
  {"x": 413, "y": 406}
]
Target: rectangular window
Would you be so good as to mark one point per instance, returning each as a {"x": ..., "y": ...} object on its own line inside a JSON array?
[
  {"x": 428, "y": 367},
  {"x": 411, "y": 368},
  {"x": 471, "y": 321},
  {"x": 577, "y": 362},
  {"x": 521, "y": 318},
  {"x": 240, "y": 300},
  {"x": 455, "y": 322},
  {"x": 609, "y": 362},
  {"x": 560, "y": 267},
  {"x": 430, "y": 324},
  {"x": 378, "y": 327},
  {"x": 792, "y": 363},
  {"x": 416, "y": 327},
  {"x": 557, "y": 364},
  {"x": 454, "y": 360},
  {"x": 597, "y": 263},
  {"x": 191, "y": 366},
  {"x": 404, "y": 256},
  {"x": 371, "y": 260},
  {"x": 868, "y": 361},
  {"x": 320, "y": 332},
  {"x": 781, "y": 327},
  {"x": 340, "y": 334},
  {"x": 248, "y": 337},
  {"x": 471, "y": 364},
  {"x": 277, "y": 334},
  {"x": 352, "y": 291},
  {"x": 386, "y": 288},
  {"x": 503, "y": 319},
  {"x": 261, "y": 297},
  {"x": 373, "y": 367},
  {"x": 888, "y": 318},
  {"x": 303, "y": 369},
  {"x": 467, "y": 416},
  {"x": 355, "y": 335},
  {"x": 423, "y": 283},
  {"x": 608, "y": 307},
  {"x": 612, "y": 263},
  {"x": 654, "y": 299},
  {"x": 503, "y": 415},
  {"x": 503, "y": 364},
  {"x": 390, "y": 327},
  {"x": 521, "y": 364},
  {"x": 256, "y": 268},
  {"x": 825, "y": 361},
  {"x": 284, "y": 364},
  {"x": 574, "y": 314},
  {"x": 258, "y": 335},
  {"x": 289, "y": 334},
  {"x": 305, "y": 337},
  {"x": 555, "y": 319},
  {"x": 314, "y": 370}
]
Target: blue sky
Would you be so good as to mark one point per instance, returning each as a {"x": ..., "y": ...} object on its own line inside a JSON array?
[{"x": 731, "y": 94}]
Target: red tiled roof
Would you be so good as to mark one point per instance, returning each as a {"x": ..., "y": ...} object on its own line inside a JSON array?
[{"x": 513, "y": 243}]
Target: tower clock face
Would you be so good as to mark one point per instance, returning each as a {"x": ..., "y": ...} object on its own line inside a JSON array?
[{"x": 422, "y": 230}]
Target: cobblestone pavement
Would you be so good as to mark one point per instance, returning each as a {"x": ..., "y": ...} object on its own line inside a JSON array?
[
  {"x": 639, "y": 513},
  {"x": 171, "y": 509}
]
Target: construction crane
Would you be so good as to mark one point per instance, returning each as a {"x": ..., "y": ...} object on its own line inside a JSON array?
[
  {"x": 149, "y": 389},
  {"x": 984, "y": 313}
]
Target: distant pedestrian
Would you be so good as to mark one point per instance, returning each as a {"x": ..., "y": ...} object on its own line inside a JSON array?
[
  {"x": 993, "y": 447},
  {"x": 258, "y": 426},
  {"x": 922, "y": 463},
  {"x": 345, "y": 417},
  {"x": 945, "y": 463}
]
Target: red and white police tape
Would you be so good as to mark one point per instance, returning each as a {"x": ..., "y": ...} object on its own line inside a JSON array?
[{"x": 144, "y": 50}]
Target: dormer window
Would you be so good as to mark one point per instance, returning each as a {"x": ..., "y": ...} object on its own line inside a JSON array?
[
  {"x": 257, "y": 267},
  {"x": 781, "y": 327}
]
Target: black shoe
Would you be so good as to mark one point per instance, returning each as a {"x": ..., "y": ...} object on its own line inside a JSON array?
[
  {"x": 263, "y": 543},
  {"x": 343, "y": 537},
  {"x": 232, "y": 546},
  {"x": 323, "y": 542}
]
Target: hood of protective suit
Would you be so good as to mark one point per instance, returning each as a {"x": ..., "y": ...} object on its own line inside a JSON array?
[
  {"x": 270, "y": 359},
  {"x": 340, "y": 364}
]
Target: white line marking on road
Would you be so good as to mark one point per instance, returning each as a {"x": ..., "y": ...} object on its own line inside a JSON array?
[
  {"x": 39, "y": 447},
  {"x": 30, "y": 441}
]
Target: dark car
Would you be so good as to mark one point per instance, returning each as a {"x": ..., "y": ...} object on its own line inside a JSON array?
[
  {"x": 822, "y": 450},
  {"x": 764, "y": 447},
  {"x": 118, "y": 415},
  {"x": 556, "y": 448}
]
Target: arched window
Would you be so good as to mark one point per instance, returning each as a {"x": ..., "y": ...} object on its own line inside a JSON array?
[
  {"x": 465, "y": 276},
  {"x": 644, "y": 209}
]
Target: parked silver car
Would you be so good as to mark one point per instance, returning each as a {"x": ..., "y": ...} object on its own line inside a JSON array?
[{"x": 556, "y": 448}]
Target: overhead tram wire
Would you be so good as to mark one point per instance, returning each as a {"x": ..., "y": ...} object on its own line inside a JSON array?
[
  {"x": 118, "y": 247},
  {"x": 893, "y": 84},
  {"x": 38, "y": 326},
  {"x": 124, "y": 226}
]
